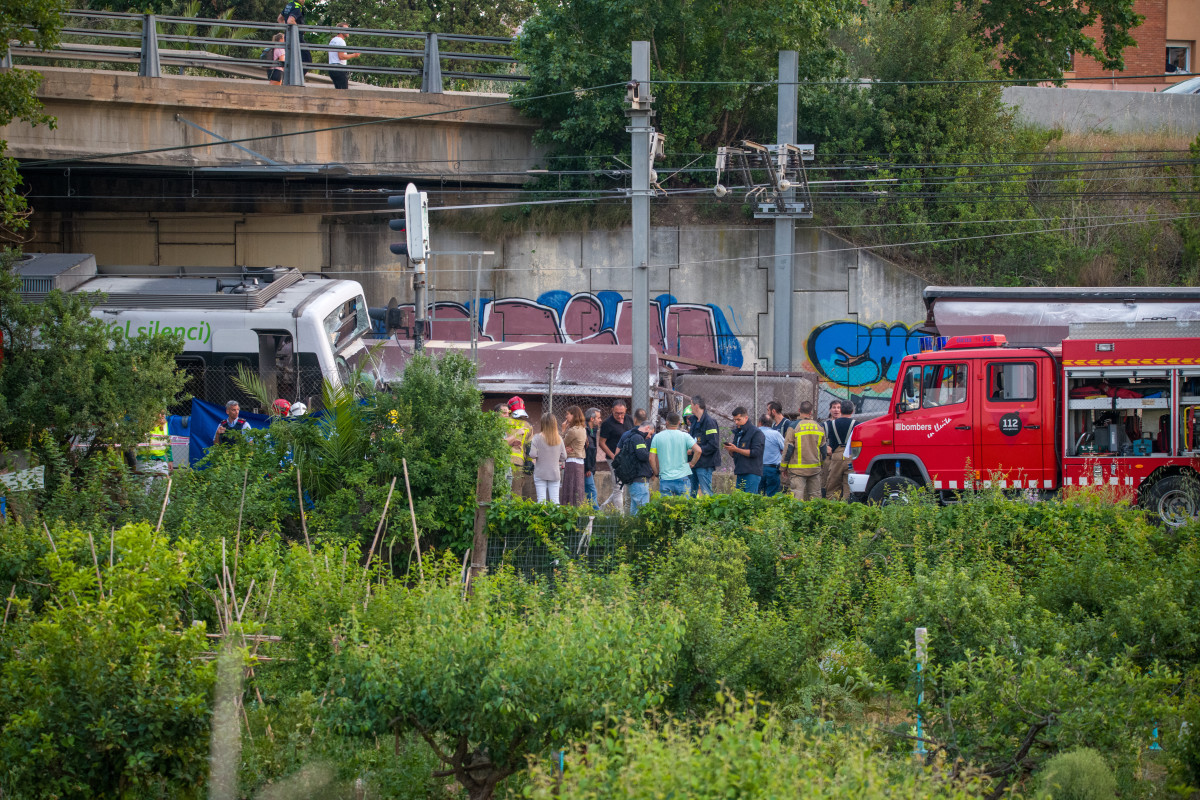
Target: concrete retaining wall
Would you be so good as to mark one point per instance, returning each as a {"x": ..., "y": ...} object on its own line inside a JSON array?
[{"x": 1092, "y": 110}]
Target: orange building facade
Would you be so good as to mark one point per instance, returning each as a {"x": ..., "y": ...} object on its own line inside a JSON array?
[{"x": 1168, "y": 36}]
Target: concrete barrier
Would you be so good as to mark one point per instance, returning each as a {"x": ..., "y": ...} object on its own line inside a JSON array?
[{"x": 1103, "y": 110}]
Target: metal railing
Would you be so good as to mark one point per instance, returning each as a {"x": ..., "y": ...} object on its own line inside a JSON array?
[{"x": 97, "y": 36}]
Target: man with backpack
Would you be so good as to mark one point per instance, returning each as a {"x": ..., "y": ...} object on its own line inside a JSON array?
[{"x": 632, "y": 467}]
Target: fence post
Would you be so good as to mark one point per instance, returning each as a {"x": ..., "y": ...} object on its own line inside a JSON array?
[
  {"x": 919, "y": 639},
  {"x": 431, "y": 72},
  {"x": 149, "y": 66},
  {"x": 754, "y": 408},
  {"x": 293, "y": 64},
  {"x": 483, "y": 500},
  {"x": 6, "y": 59}
]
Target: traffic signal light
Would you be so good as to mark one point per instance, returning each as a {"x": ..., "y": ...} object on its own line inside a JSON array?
[{"x": 414, "y": 226}]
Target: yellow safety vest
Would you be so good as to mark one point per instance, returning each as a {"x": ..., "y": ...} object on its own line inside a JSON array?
[
  {"x": 800, "y": 436},
  {"x": 159, "y": 447},
  {"x": 517, "y": 454}
]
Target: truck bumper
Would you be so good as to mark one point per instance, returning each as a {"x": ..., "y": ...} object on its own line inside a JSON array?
[{"x": 858, "y": 482}]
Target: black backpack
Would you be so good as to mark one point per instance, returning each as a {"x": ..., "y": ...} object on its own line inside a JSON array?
[{"x": 626, "y": 467}]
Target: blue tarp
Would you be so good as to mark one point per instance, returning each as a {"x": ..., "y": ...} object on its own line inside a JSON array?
[{"x": 203, "y": 427}]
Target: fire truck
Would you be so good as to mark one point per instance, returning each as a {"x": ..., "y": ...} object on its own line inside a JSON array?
[{"x": 1115, "y": 408}]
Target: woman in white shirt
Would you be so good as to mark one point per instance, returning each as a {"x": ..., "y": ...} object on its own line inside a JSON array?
[{"x": 547, "y": 452}]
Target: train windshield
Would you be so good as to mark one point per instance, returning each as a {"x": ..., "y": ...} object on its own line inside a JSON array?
[{"x": 347, "y": 323}]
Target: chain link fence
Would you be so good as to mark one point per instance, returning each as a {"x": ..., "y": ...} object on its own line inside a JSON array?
[
  {"x": 216, "y": 385},
  {"x": 598, "y": 543}
]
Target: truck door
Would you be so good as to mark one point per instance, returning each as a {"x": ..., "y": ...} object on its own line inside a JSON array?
[
  {"x": 1012, "y": 424},
  {"x": 936, "y": 425}
]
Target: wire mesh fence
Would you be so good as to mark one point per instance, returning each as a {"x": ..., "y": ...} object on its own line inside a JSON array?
[
  {"x": 599, "y": 543},
  {"x": 217, "y": 385}
]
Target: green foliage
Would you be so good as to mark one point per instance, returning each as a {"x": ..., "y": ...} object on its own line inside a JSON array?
[
  {"x": 1036, "y": 40},
  {"x": 585, "y": 45},
  {"x": 735, "y": 751},
  {"x": 66, "y": 374},
  {"x": 509, "y": 670},
  {"x": 103, "y": 694},
  {"x": 34, "y": 22},
  {"x": 435, "y": 421},
  {"x": 1078, "y": 774}
]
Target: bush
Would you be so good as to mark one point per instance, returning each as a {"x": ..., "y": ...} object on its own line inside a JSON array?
[
  {"x": 739, "y": 751},
  {"x": 104, "y": 693},
  {"x": 1079, "y": 774}
]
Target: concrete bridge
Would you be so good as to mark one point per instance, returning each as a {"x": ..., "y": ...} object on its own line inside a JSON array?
[{"x": 120, "y": 118}]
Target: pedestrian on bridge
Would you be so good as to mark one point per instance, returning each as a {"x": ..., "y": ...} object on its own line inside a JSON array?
[{"x": 340, "y": 77}]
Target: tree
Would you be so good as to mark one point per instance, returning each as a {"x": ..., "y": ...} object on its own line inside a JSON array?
[
  {"x": 104, "y": 693},
  {"x": 35, "y": 22},
  {"x": 434, "y": 419},
  {"x": 1036, "y": 40},
  {"x": 507, "y": 671},
  {"x": 585, "y": 44},
  {"x": 67, "y": 374}
]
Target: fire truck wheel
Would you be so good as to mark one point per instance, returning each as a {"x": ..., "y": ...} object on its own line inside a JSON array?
[
  {"x": 1175, "y": 499},
  {"x": 892, "y": 490}
]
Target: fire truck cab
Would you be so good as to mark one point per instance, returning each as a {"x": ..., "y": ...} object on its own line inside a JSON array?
[{"x": 1114, "y": 408}]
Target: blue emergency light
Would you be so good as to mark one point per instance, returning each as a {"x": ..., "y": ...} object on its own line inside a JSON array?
[{"x": 932, "y": 343}]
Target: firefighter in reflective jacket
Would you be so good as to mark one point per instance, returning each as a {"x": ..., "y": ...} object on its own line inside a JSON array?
[
  {"x": 154, "y": 458},
  {"x": 802, "y": 448},
  {"x": 519, "y": 434}
]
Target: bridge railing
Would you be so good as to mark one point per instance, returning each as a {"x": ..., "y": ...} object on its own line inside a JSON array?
[{"x": 118, "y": 40}]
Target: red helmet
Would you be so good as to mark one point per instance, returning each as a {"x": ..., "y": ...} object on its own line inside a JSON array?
[
  {"x": 516, "y": 404},
  {"x": 284, "y": 406}
]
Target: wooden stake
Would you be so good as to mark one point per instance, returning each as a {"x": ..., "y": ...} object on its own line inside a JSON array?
[
  {"x": 303, "y": 521},
  {"x": 412, "y": 512},
  {"x": 237, "y": 546},
  {"x": 46, "y": 528},
  {"x": 163, "y": 512},
  {"x": 483, "y": 499},
  {"x": 8, "y": 605},
  {"x": 378, "y": 529},
  {"x": 96, "y": 562}
]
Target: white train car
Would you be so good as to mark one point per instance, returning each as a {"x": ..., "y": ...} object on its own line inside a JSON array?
[{"x": 292, "y": 329}]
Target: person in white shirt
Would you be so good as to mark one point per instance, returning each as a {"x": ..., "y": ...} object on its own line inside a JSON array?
[{"x": 340, "y": 77}]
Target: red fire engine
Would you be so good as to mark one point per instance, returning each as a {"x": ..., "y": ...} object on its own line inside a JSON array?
[{"x": 1116, "y": 407}]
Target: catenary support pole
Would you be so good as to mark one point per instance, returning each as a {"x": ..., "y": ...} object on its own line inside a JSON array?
[
  {"x": 785, "y": 227},
  {"x": 641, "y": 130}
]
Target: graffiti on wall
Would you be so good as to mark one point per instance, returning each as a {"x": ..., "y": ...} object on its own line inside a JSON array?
[
  {"x": 691, "y": 330},
  {"x": 855, "y": 355}
]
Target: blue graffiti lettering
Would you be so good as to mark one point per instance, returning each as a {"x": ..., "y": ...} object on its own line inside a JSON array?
[{"x": 849, "y": 353}]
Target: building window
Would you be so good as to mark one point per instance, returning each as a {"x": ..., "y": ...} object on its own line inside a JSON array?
[{"x": 1179, "y": 57}]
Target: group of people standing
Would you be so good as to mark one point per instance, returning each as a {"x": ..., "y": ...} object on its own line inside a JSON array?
[
  {"x": 557, "y": 464},
  {"x": 293, "y": 14}
]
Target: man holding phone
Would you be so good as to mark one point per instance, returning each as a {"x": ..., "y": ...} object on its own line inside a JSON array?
[{"x": 747, "y": 451}]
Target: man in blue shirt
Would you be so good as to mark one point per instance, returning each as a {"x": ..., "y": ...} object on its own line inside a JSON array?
[
  {"x": 772, "y": 455},
  {"x": 673, "y": 453}
]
